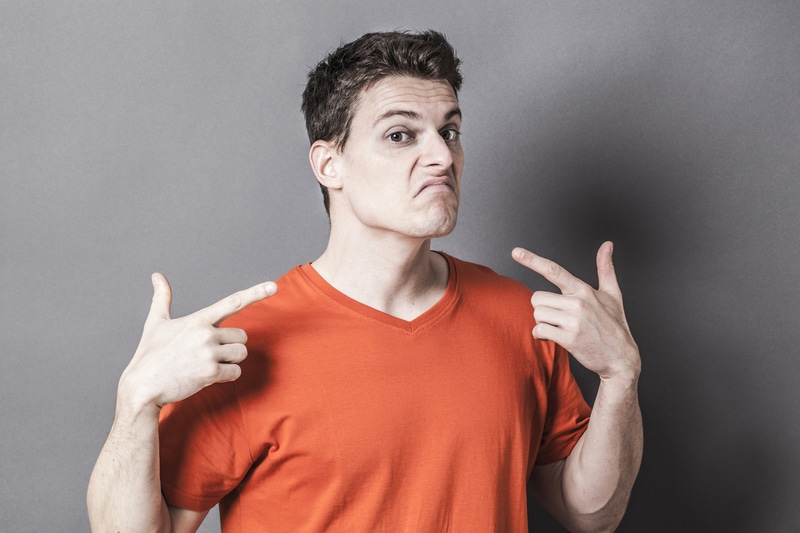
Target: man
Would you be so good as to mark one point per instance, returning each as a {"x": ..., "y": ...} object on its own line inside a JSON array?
[{"x": 386, "y": 387}]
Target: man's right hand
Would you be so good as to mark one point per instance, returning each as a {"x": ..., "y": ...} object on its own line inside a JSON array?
[{"x": 178, "y": 357}]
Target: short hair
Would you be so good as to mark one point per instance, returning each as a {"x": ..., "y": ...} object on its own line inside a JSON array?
[{"x": 334, "y": 85}]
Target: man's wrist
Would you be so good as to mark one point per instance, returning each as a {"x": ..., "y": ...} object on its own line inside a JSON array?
[
  {"x": 133, "y": 403},
  {"x": 626, "y": 378}
]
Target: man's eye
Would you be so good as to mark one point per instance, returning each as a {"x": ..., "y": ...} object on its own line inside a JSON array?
[
  {"x": 450, "y": 135},
  {"x": 398, "y": 137}
]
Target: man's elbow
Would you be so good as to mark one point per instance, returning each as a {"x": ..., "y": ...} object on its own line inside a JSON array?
[{"x": 602, "y": 520}]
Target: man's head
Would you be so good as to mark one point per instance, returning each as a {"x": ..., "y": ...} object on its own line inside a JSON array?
[{"x": 335, "y": 84}]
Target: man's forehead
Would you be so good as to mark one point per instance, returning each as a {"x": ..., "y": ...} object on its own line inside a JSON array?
[{"x": 403, "y": 93}]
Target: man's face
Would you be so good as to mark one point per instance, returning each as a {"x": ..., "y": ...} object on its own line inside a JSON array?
[{"x": 401, "y": 166}]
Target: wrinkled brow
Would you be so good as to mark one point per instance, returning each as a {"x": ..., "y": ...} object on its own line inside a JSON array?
[{"x": 413, "y": 115}]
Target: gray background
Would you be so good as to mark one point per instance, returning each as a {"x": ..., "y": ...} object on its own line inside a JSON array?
[{"x": 146, "y": 136}]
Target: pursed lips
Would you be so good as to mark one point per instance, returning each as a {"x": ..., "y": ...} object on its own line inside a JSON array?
[{"x": 443, "y": 183}]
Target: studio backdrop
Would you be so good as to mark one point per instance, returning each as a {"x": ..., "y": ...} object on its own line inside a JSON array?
[{"x": 166, "y": 136}]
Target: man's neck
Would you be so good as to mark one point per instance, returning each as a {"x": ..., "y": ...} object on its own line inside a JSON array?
[{"x": 393, "y": 274}]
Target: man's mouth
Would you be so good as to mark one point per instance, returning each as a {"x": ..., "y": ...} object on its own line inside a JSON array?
[{"x": 438, "y": 184}]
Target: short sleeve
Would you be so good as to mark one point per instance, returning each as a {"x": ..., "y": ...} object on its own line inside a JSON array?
[
  {"x": 567, "y": 412},
  {"x": 204, "y": 451}
]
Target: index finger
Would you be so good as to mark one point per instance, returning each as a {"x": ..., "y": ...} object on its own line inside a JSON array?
[
  {"x": 232, "y": 304},
  {"x": 548, "y": 269}
]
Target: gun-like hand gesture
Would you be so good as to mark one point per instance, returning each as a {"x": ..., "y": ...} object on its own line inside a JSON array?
[
  {"x": 589, "y": 490},
  {"x": 589, "y": 323},
  {"x": 177, "y": 357}
]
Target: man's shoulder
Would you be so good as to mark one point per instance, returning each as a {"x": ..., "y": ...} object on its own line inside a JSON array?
[
  {"x": 293, "y": 296},
  {"x": 477, "y": 276}
]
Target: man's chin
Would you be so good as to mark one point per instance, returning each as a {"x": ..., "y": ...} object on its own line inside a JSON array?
[
  {"x": 442, "y": 227},
  {"x": 446, "y": 231}
]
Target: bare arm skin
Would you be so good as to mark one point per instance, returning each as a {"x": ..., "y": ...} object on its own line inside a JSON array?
[
  {"x": 589, "y": 490},
  {"x": 175, "y": 359}
]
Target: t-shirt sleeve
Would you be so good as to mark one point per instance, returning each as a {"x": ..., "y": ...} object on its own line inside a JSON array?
[
  {"x": 204, "y": 450},
  {"x": 567, "y": 412}
]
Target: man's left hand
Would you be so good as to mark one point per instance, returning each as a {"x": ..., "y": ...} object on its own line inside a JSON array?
[{"x": 589, "y": 323}]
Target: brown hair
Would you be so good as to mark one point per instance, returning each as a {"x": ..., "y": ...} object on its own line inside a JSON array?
[{"x": 335, "y": 84}]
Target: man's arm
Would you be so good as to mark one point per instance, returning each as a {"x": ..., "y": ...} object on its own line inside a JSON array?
[
  {"x": 589, "y": 490},
  {"x": 175, "y": 359}
]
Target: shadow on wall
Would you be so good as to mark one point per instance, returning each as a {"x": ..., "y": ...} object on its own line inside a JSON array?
[{"x": 628, "y": 163}]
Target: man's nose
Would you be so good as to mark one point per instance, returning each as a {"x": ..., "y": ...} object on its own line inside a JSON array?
[{"x": 437, "y": 152}]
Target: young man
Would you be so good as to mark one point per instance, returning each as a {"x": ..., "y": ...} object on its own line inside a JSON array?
[{"x": 386, "y": 387}]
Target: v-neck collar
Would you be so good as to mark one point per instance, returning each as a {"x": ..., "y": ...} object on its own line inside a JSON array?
[{"x": 427, "y": 318}]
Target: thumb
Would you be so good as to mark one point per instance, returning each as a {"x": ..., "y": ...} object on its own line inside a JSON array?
[
  {"x": 606, "y": 275},
  {"x": 162, "y": 298}
]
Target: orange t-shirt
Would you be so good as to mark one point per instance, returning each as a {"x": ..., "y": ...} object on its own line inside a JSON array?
[{"x": 348, "y": 419}]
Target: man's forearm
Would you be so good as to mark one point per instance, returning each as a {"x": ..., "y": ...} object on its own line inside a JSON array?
[
  {"x": 599, "y": 474},
  {"x": 125, "y": 488},
  {"x": 176, "y": 357}
]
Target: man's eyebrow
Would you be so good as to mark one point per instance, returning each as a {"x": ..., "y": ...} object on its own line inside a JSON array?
[
  {"x": 455, "y": 112},
  {"x": 413, "y": 115}
]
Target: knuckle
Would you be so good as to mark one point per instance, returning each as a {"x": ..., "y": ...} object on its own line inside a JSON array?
[
  {"x": 208, "y": 367},
  {"x": 234, "y": 301},
  {"x": 206, "y": 355},
  {"x": 240, "y": 352},
  {"x": 584, "y": 290},
  {"x": 205, "y": 335},
  {"x": 572, "y": 337}
]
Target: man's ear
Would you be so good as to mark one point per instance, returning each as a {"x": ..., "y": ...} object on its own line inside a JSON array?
[{"x": 324, "y": 158}]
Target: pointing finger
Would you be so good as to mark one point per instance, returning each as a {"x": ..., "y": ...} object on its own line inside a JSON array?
[
  {"x": 549, "y": 270},
  {"x": 606, "y": 275},
  {"x": 219, "y": 311},
  {"x": 162, "y": 298}
]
